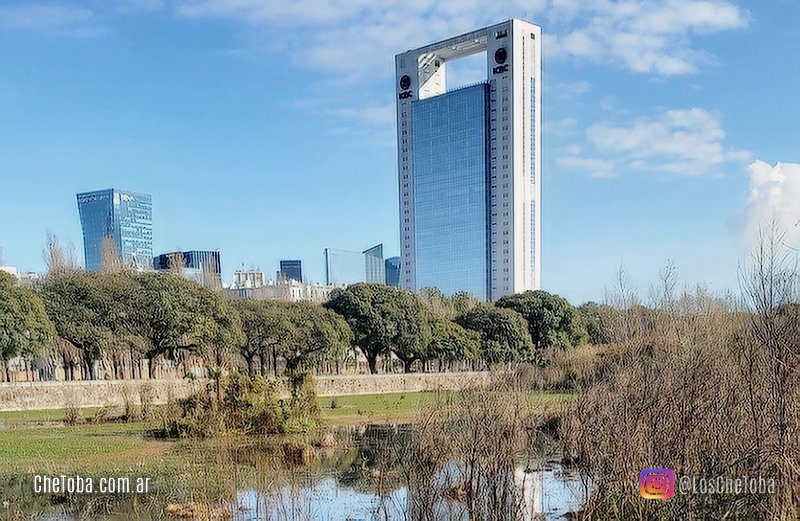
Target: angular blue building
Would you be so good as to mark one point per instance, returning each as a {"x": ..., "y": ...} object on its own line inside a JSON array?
[{"x": 125, "y": 218}]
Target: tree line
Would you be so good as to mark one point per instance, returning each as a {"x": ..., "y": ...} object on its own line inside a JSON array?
[{"x": 125, "y": 320}]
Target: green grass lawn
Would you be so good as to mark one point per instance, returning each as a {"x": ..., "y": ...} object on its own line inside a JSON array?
[
  {"x": 80, "y": 447},
  {"x": 39, "y": 442},
  {"x": 402, "y": 407},
  {"x": 373, "y": 408},
  {"x": 28, "y": 418}
]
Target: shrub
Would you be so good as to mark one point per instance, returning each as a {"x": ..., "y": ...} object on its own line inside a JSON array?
[
  {"x": 146, "y": 399},
  {"x": 242, "y": 404},
  {"x": 73, "y": 414}
]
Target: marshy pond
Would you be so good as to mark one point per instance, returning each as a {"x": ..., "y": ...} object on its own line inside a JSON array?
[{"x": 369, "y": 473}]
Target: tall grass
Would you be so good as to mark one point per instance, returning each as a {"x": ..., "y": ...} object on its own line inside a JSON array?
[{"x": 706, "y": 386}]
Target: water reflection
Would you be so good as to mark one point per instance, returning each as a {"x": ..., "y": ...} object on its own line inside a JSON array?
[
  {"x": 372, "y": 474},
  {"x": 549, "y": 493}
]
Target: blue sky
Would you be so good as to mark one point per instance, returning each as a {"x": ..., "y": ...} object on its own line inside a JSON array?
[{"x": 266, "y": 128}]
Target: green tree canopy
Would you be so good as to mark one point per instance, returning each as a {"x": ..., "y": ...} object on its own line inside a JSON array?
[
  {"x": 24, "y": 327},
  {"x": 552, "y": 321},
  {"x": 503, "y": 333},
  {"x": 299, "y": 332},
  {"x": 463, "y": 301},
  {"x": 596, "y": 318},
  {"x": 451, "y": 342},
  {"x": 176, "y": 315},
  {"x": 383, "y": 319},
  {"x": 264, "y": 324},
  {"x": 163, "y": 313},
  {"x": 316, "y": 333},
  {"x": 80, "y": 310}
]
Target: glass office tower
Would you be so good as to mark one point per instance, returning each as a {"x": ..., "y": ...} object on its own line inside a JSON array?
[
  {"x": 469, "y": 164},
  {"x": 451, "y": 166},
  {"x": 126, "y": 218}
]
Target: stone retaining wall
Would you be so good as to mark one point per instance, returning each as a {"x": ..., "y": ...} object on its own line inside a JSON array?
[{"x": 21, "y": 396}]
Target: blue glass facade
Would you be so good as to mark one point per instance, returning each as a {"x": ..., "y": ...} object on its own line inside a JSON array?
[
  {"x": 203, "y": 260},
  {"x": 344, "y": 267},
  {"x": 373, "y": 261},
  {"x": 392, "y": 268},
  {"x": 126, "y": 218},
  {"x": 451, "y": 191},
  {"x": 291, "y": 270},
  {"x": 202, "y": 266}
]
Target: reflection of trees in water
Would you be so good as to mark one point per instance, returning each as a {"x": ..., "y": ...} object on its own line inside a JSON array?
[
  {"x": 464, "y": 451},
  {"x": 376, "y": 457},
  {"x": 467, "y": 457},
  {"x": 20, "y": 502}
]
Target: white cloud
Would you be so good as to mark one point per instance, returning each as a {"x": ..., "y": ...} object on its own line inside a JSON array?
[
  {"x": 641, "y": 35},
  {"x": 52, "y": 20},
  {"x": 687, "y": 142},
  {"x": 358, "y": 38},
  {"x": 774, "y": 195},
  {"x": 132, "y": 6},
  {"x": 374, "y": 115},
  {"x": 572, "y": 90},
  {"x": 562, "y": 127},
  {"x": 595, "y": 167}
]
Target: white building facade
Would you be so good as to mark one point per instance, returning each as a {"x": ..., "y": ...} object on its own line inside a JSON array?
[{"x": 469, "y": 165}]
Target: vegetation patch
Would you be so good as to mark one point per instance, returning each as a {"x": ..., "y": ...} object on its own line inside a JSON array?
[{"x": 244, "y": 405}]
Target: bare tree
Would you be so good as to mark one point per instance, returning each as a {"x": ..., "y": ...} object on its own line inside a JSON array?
[{"x": 58, "y": 257}]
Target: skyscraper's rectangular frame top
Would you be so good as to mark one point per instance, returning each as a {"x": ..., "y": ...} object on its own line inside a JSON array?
[{"x": 513, "y": 68}]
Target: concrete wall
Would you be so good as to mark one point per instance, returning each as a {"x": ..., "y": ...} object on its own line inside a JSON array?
[
  {"x": 22, "y": 396},
  {"x": 397, "y": 383}
]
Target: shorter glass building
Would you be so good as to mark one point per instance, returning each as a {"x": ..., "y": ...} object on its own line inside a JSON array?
[
  {"x": 344, "y": 267},
  {"x": 373, "y": 260},
  {"x": 124, "y": 217},
  {"x": 203, "y": 266},
  {"x": 291, "y": 270},
  {"x": 392, "y": 268}
]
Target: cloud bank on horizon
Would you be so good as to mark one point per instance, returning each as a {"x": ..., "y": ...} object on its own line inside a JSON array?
[{"x": 774, "y": 197}]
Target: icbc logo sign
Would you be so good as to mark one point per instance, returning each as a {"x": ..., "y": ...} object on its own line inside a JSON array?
[
  {"x": 405, "y": 83},
  {"x": 500, "y": 57}
]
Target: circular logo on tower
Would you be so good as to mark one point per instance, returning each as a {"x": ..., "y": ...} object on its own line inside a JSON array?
[
  {"x": 405, "y": 82},
  {"x": 500, "y": 55}
]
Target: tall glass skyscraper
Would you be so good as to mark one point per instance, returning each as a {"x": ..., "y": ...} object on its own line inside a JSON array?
[
  {"x": 125, "y": 218},
  {"x": 451, "y": 161},
  {"x": 469, "y": 165}
]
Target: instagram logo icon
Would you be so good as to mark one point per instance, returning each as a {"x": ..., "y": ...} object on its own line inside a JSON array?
[{"x": 657, "y": 483}]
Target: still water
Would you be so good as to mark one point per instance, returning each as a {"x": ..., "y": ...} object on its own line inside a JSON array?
[
  {"x": 366, "y": 476},
  {"x": 550, "y": 493}
]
